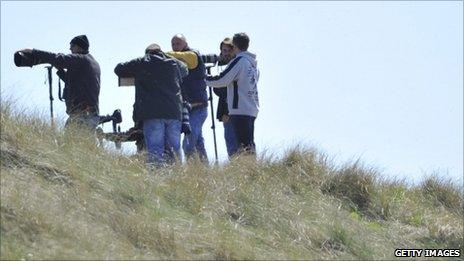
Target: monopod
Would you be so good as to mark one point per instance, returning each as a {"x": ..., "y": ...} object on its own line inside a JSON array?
[
  {"x": 49, "y": 68},
  {"x": 213, "y": 126}
]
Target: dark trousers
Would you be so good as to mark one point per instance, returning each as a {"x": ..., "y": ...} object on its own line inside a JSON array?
[{"x": 244, "y": 127}]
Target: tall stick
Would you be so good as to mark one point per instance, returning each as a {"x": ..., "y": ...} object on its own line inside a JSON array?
[
  {"x": 208, "y": 68},
  {"x": 49, "y": 68}
]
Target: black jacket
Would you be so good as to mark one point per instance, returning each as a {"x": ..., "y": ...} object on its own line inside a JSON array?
[
  {"x": 157, "y": 86},
  {"x": 222, "y": 94},
  {"x": 222, "y": 103},
  {"x": 82, "y": 79}
]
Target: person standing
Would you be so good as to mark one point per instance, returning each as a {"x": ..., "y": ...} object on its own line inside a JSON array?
[
  {"x": 194, "y": 92},
  {"x": 81, "y": 74},
  {"x": 241, "y": 77},
  {"x": 158, "y": 101}
]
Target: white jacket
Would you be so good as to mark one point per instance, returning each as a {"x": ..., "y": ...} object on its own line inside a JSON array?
[{"x": 240, "y": 77}]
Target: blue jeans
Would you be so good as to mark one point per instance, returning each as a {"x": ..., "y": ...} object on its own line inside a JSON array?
[
  {"x": 244, "y": 128},
  {"x": 194, "y": 142},
  {"x": 229, "y": 136},
  {"x": 159, "y": 134}
]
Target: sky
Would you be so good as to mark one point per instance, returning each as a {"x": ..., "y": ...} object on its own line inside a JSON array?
[{"x": 379, "y": 81}]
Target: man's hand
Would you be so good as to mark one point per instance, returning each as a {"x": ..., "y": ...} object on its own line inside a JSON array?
[{"x": 225, "y": 118}]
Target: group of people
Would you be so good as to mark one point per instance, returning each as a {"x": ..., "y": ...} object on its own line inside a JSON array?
[{"x": 166, "y": 83}]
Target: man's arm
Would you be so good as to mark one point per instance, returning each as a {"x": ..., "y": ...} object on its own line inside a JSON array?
[
  {"x": 188, "y": 57},
  {"x": 58, "y": 60},
  {"x": 128, "y": 69},
  {"x": 226, "y": 77}
]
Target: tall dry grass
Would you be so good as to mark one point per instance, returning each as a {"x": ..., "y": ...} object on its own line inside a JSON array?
[{"x": 62, "y": 197}]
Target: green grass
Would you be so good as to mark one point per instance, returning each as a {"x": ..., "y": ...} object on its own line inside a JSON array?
[{"x": 65, "y": 198}]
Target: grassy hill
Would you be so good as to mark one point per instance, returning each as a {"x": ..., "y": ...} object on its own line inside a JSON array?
[{"x": 64, "y": 198}]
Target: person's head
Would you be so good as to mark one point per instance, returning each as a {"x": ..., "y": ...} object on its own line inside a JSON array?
[
  {"x": 79, "y": 44},
  {"x": 153, "y": 49},
  {"x": 179, "y": 43},
  {"x": 227, "y": 49},
  {"x": 241, "y": 42}
]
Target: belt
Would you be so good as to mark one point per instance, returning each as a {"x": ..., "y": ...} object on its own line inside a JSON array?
[{"x": 197, "y": 104}]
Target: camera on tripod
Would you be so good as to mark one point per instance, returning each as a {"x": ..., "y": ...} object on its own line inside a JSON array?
[{"x": 116, "y": 118}]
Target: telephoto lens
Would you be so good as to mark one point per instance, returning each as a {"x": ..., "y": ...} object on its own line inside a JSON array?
[
  {"x": 22, "y": 59},
  {"x": 209, "y": 58}
]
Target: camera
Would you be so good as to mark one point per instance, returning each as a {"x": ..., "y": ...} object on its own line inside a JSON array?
[
  {"x": 116, "y": 117},
  {"x": 22, "y": 59},
  {"x": 209, "y": 58}
]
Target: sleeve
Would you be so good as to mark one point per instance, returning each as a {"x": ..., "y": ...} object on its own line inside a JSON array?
[
  {"x": 226, "y": 77},
  {"x": 188, "y": 57},
  {"x": 128, "y": 69},
  {"x": 59, "y": 60}
]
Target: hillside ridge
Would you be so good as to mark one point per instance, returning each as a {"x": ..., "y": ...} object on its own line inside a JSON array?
[{"x": 62, "y": 197}]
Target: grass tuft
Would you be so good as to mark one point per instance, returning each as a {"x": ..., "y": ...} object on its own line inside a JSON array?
[
  {"x": 443, "y": 192},
  {"x": 354, "y": 184}
]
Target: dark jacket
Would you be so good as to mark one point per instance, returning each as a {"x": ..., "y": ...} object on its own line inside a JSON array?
[
  {"x": 157, "y": 86},
  {"x": 222, "y": 94},
  {"x": 222, "y": 103},
  {"x": 194, "y": 85},
  {"x": 82, "y": 79}
]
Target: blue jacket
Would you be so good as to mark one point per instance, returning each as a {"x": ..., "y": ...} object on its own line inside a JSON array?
[{"x": 194, "y": 85}]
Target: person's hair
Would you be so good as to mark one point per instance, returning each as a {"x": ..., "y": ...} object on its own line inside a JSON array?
[
  {"x": 152, "y": 49},
  {"x": 241, "y": 40},
  {"x": 227, "y": 41},
  {"x": 180, "y": 36}
]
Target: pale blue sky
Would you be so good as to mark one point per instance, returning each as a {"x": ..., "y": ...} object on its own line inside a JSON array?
[{"x": 380, "y": 81}]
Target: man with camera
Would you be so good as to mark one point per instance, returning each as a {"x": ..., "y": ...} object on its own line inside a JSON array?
[
  {"x": 81, "y": 74},
  {"x": 226, "y": 55},
  {"x": 158, "y": 101},
  {"x": 194, "y": 92},
  {"x": 241, "y": 78}
]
